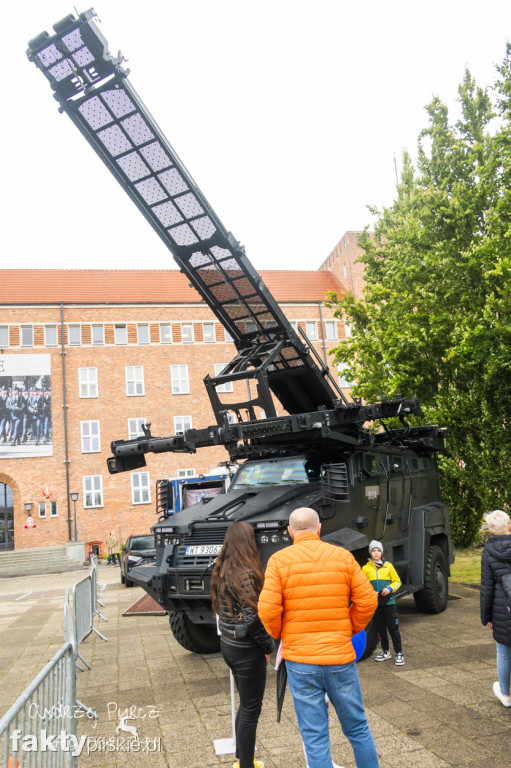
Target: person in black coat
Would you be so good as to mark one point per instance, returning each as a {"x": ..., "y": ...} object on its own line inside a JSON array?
[
  {"x": 495, "y": 603},
  {"x": 236, "y": 581}
]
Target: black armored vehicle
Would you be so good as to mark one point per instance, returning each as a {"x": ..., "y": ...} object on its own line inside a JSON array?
[{"x": 366, "y": 479}]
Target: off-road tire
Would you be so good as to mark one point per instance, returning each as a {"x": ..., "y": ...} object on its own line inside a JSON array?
[
  {"x": 123, "y": 578},
  {"x": 198, "y": 638},
  {"x": 371, "y": 639},
  {"x": 433, "y": 597}
]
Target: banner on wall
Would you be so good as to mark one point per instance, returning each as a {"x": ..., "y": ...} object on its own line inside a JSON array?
[{"x": 25, "y": 406}]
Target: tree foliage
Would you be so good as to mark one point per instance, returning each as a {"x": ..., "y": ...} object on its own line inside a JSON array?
[{"x": 435, "y": 318}]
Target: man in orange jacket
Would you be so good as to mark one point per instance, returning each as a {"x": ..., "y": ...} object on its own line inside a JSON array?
[{"x": 315, "y": 597}]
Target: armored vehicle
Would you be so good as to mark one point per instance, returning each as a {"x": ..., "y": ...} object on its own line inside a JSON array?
[{"x": 365, "y": 478}]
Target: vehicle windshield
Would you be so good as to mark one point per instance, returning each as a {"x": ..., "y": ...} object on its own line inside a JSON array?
[
  {"x": 142, "y": 542},
  {"x": 279, "y": 472}
]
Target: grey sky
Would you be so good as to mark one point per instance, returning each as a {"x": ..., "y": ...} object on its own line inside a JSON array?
[{"x": 288, "y": 114}]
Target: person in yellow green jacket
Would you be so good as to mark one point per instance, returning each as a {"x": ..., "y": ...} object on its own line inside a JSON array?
[{"x": 383, "y": 576}]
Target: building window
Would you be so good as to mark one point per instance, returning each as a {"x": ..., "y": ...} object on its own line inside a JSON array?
[
  {"x": 209, "y": 333},
  {"x": 228, "y": 386},
  {"x": 143, "y": 333},
  {"x": 140, "y": 493},
  {"x": 92, "y": 491},
  {"x": 74, "y": 335},
  {"x": 187, "y": 336},
  {"x": 98, "y": 335},
  {"x": 53, "y": 509},
  {"x": 188, "y": 472},
  {"x": 228, "y": 338},
  {"x": 294, "y": 326},
  {"x": 134, "y": 380},
  {"x": 90, "y": 437},
  {"x": 4, "y": 336},
  {"x": 50, "y": 336},
  {"x": 342, "y": 370},
  {"x": 27, "y": 335},
  {"x": 344, "y": 270},
  {"x": 42, "y": 509},
  {"x": 331, "y": 330},
  {"x": 135, "y": 427},
  {"x": 347, "y": 330},
  {"x": 179, "y": 380},
  {"x": 165, "y": 333},
  {"x": 120, "y": 333},
  {"x": 182, "y": 423},
  {"x": 311, "y": 329},
  {"x": 250, "y": 326},
  {"x": 88, "y": 381}
]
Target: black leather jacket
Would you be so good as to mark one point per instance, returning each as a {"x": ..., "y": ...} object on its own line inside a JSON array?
[
  {"x": 246, "y": 617},
  {"x": 495, "y": 562}
]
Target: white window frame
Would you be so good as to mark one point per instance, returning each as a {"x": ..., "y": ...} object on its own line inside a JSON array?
[
  {"x": 94, "y": 494},
  {"x": 42, "y": 510},
  {"x": 343, "y": 382},
  {"x": 331, "y": 330},
  {"x": 179, "y": 379},
  {"x": 87, "y": 433},
  {"x": 169, "y": 326},
  {"x": 6, "y": 328},
  {"x": 186, "y": 472},
  {"x": 250, "y": 326},
  {"x": 228, "y": 338},
  {"x": 228, "y": 386},
  {"x": 140, "y": 486},
  {"x": 181, "y": 424},
  {"x": 118, "y": 327},
  {"x": 191, "y": 339},
  {"x": 348, "y": 331},
  {"x": 47, "y": 342},
  {"x": 134, "y": 379},
  {"x": 146, "y": 327},
  {"x": 210, "y": 337},
  {"x": 101, "y": 327},
  {"x": 88, "y": 381},
  {"x": 26, "y": 327},
  {"x": 132, "y": 434},
  {"x": 311, "y": 325},
  {"x": 54, "y": 510},
  {"x": 78, "y": 327}
]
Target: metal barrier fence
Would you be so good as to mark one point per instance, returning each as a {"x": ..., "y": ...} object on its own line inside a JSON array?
[
  {"x": 39, "y": 730},
  {"x": 85, "y": 599}
]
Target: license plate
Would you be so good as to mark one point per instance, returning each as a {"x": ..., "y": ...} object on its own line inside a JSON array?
[{"x": 203, "y": 549}]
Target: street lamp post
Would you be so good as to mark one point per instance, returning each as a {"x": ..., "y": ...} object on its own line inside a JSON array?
[{"x": 74, "y": 498}]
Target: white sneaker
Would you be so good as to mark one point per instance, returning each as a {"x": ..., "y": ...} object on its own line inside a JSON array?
[
  {"x": 506, "y": 700},
  {"x": 400, "y": 659},
  {"x": 383, "y": 656}
]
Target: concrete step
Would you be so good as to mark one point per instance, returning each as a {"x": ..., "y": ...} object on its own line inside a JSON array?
[{"x": 34, "y": 560}]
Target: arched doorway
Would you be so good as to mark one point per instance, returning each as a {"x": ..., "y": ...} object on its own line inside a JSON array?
[{"x": 6, "y": 518}]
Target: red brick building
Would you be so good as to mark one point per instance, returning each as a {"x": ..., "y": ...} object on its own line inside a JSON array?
[{"x": 116, "y": 348}]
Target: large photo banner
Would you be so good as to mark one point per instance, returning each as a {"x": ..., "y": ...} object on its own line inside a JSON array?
[{"x": 25, "y": 406}]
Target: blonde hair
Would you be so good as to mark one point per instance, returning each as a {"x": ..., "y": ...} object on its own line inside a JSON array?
[{"x": 498, "y": 522}]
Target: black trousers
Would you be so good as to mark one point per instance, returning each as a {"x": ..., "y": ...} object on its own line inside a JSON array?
[
  {"x": 387, "y": 618},
  {"x": 248, "y": 665}
]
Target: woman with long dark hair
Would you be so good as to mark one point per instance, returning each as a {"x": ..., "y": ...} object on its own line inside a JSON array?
[{"x": 236, "y": 582}]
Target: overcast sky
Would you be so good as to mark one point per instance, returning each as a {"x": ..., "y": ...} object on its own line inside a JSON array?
[{"x": 287, "y": 113}]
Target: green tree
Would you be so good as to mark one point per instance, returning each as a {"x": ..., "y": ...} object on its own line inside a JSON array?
[{"x": 434, "y": 320}]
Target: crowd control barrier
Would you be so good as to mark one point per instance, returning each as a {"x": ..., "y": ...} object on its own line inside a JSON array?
[{"x": 84, "y": 610}]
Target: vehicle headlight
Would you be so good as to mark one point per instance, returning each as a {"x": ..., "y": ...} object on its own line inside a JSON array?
[{"x": 134, "y": 559}]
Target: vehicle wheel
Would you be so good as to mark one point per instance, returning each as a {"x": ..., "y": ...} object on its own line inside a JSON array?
[
  {"x": 371, "y": 639},
  {"x": 123, "y": 578},
  {"x": 198, "y": 638},
  {"x": 433, "y": 598},
  {"x": 128, "y": 582}
]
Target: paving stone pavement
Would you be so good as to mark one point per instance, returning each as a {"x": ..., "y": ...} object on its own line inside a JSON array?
[{"x": 438, "y": 711}]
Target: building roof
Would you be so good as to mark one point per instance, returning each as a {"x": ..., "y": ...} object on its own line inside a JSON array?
[{"x": 139, "y": 286}]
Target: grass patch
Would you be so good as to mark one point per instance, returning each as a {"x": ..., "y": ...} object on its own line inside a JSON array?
[{"x": 467, "y": 566}]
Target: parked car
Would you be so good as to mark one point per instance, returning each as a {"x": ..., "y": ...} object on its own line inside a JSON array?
[{"x": 137, "y": 550}]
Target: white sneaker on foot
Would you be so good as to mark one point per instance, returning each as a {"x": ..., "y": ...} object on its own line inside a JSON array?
[
  {"x": 506, "y": 700},
  {"x": 383, "y": 656},
  {"x": 400, "y": 659}
]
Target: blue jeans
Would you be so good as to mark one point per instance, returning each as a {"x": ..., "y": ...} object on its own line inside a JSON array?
[
  {"x": 504, "y": 667},
  {"x": 308, "y": 684}
]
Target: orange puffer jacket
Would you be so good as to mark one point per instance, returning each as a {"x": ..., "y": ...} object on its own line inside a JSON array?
[{"x": 306, "y": 599}]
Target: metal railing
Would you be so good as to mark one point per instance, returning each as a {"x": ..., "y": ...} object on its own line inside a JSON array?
[
  {"x": 39, "y": 730},
  {"x": 85, "y": 601}
]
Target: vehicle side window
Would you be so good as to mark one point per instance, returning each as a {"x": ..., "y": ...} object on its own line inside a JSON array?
[
  {"x": 396, "y": 463},
  {"x": 371, "y": 464}
]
